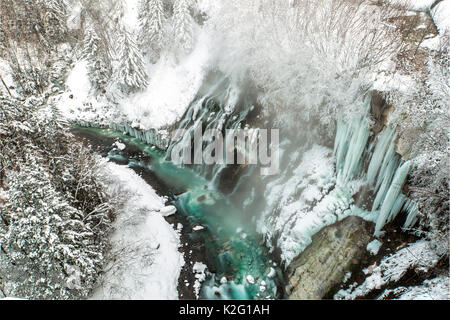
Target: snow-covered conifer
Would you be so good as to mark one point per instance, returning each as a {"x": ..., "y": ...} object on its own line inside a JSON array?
[
  {"x": 151, "y": 21},
  {"x": 131, "y": 75},
  {"x": 48, "y": 251},
  {"x": 183, "y": 25},
  {"x": 93, "y": 52},
  {"x": 55, "y": 19}
]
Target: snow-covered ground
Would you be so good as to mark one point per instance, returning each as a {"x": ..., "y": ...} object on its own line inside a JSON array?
[
  {"x": 174, "y": 82},
  {"x": 79, "y": 103},
  {"x": 434, "y": 289},
  {"x": 418, "y": 256},
  {"x": 418, "y": 5},
  {"x": 172, "y": 87},
  {"x": 440, "y": 12},
  {"x": 146, "y": 262}
]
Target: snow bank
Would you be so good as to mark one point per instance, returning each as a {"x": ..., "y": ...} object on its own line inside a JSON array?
[
  {"x": 146, "y": 262},
  {"x": 298, "y": 220},
  {"x": 78, "y": 103},
  {"x": 78, "y": 82},
  {"x": 78, "y": 86}
]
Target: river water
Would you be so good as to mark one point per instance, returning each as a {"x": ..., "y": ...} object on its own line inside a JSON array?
[{"x": 239, "y": 264}]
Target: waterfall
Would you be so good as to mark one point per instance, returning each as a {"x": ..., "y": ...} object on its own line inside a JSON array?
[
  {"x": 223, "y": 105},
  {"x": 316, "y": 186}
]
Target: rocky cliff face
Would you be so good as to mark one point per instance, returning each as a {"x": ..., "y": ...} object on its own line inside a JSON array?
[
  {"x": 380, "y": 110},
  {"x": 325, "y": 262}
]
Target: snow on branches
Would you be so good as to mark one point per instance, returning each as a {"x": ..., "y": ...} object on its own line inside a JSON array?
[
  {"x": 151, "y": 22},
  {"x": 55, "y": 216},
  {"x": 131, "y": 75}
]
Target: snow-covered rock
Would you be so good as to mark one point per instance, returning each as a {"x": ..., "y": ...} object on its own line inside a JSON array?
[
  {"x": 198, "y": 228},
  {"x": 119, "y": 145},
  {"x": 199, "y": 269},
  {"x": 250, "y": 279},
  {"x": 168, "y": 211},
  {"x": 373, "y": 247}
]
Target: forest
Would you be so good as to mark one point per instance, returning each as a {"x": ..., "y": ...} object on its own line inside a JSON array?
[{"x": 94, "y": 206}]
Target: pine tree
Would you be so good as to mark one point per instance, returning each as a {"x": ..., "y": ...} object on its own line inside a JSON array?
[
  {"x": 183, "y": 25},
  {"x": 93, "y": 52},
  {"x": 3, "y": 37},
  {"x": 55, "y": 19},
  {"x": 131, "y": 75},
  {"x": 55, "y": 216},
  {"x": 151, "y": 20},
  {"x": 48, "y": 251}
]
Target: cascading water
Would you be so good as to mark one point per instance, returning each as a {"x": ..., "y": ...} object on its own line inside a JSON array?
[
  {"x": 316, "y": 187},
  {"x": 239, "y": 264},
  {"x": 224, "y": 105},
  {"x": 240, "y": 267}
]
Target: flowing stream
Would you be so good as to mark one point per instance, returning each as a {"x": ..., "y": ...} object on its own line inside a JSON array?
[{"x": 239, "y": 264}]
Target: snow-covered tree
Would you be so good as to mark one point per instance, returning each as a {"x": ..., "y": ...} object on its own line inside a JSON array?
[
  {"x": 131, "y": 75},
  {"x": 93, "y": 51},
  {"x": 3, "y": 36},
  {"x": 422, "y": 120},
  {"x": 312, "y": 59},
  {"x": 183, "y": 25},
  {"x": 55, "y": 216},
  {"x": 55, "y": 19},
  {"x": 151, "y": 21},
  {"x": 30, "y": 80},
  {"x": 48, "y": 250}
]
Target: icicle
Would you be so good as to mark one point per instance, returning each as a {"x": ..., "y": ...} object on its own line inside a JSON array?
[
  {"x": 355, "y": 151},
  {"x": 391, "y": 196},
  {"x": 390, "y": 163},
  {"x": 401, "y": 199},
  {"x": 350, "y": 143},
  {"x": 341, "y": 143},
  {"x": 384, "y": 140},
  {"x": 413, "y": 212},
  {"x": 385, "y": 180}
]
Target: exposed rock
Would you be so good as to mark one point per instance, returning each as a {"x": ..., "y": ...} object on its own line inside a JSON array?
[
  {"x": 324, "y": 263},
  {"x": 379, "y": 110},
  {"x": 405, "y": 141}
]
